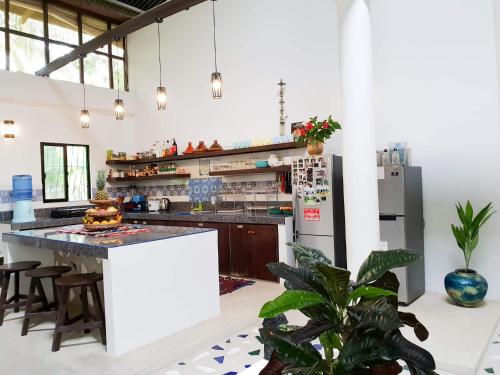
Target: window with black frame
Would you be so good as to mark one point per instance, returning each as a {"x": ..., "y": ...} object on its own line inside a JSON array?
[
  {"x": 65, "y": 172},
  {"x": 36, "y": 32}
]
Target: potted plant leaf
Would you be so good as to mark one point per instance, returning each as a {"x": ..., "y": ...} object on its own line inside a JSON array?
[
  {"x": 357, "y": 323},
  {"x": 465, "y": 286}
]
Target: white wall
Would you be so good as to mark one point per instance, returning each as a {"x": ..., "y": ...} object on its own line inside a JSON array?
[
  {"x": 46, "y": 110},
  {"x": 259, "y": 42},
  {"x": 436, "y": 87}
]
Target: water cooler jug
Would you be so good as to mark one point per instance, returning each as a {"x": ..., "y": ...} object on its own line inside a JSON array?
[{"x": 22, "y": 194}]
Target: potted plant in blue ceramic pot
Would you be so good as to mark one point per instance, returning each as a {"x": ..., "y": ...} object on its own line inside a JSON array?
[{"x": 465, "y": 286}]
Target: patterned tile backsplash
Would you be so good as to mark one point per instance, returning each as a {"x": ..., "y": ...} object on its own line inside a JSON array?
[
  {"x": 198, "y": 189},
  {"x": 6, "y": 196}
]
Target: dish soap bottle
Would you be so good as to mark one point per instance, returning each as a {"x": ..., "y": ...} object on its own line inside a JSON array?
[
  {"x": 395, "y": 157},
  {"x": 386, "y": 160}
]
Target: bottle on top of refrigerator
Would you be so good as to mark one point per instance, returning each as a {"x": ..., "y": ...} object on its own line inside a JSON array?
[
  {"x": 386, "y": 159},
  {"x": 174, "y": 148},
  {"x": 168, "y": 150},
  {"x": 395, "y": 157},
  {"x": 164, "y": 149}
]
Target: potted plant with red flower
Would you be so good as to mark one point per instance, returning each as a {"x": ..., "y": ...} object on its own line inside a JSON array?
[{"x": 314, "y": 134}]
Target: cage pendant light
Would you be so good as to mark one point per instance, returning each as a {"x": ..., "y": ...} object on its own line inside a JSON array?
[
  {"x": 216, "y": 79},
  {"x": 84, "y": 113},
  {"x": 161, "y": 91},
  {"x": 119, "y": 106}
]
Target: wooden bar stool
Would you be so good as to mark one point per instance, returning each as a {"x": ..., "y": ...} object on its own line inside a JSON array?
[
  {"x": 14, "y": 301},
  {"x": 86, "y": 321},
  {"x": 37, "y": 275}
]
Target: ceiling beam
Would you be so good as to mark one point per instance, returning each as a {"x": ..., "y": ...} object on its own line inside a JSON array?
[{"x": 147, "y": 18}]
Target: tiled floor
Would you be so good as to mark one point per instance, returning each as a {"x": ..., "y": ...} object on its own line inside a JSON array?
[
  {"x": 458, "y": 337},
  {"x": 491, "y": 361}
]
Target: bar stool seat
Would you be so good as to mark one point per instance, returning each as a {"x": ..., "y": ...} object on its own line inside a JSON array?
[
  {"x": 37, "y": 274},
  {"x": 6, "y": 270},
  {"x": 82, "y": 279},
  {"x": 52, "y": 271},
  {"x": 86, "y": 321}
]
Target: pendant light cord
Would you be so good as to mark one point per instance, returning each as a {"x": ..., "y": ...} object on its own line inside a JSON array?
[
  {"x": 215, "y": 39},
  {"x": 118, "y": 87},
  {"x": 159, "y": 49},
  {"x": 84, "y": 101}
]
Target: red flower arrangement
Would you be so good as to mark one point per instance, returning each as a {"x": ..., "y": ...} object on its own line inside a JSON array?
[{"x": 316, "y": 131}]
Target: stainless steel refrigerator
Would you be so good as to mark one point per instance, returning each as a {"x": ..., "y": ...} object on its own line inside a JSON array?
[
  {"x": 319, "y": 205},
  {"x": 402, "y": 224}
]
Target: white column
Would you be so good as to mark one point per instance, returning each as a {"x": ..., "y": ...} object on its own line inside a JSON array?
[{"x": 358, "y": 132}]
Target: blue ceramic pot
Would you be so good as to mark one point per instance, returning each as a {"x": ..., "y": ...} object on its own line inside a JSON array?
[{"x": 466, "y": 287}]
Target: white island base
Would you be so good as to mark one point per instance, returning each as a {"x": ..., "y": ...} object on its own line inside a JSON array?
[{"x": 151, "y": 289}]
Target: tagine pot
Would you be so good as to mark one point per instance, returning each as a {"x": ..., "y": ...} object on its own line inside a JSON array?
[
  {"x": 315, "y": 148},
  {"x": 466, "y": 287}
]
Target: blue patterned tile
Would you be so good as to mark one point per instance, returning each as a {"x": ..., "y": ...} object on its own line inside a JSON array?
[
  {"x": 202, "y": 189},
  {"x": 219, "y": 360}
]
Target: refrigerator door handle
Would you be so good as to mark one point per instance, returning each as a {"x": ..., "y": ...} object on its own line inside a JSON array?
[{"x": 385, "y": 217}]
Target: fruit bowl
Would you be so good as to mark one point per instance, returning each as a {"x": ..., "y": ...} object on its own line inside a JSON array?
[
  {"x": 98, "y": 227},
  {"x": 102, "y": 203},
  {"x": 102, "y": 212}
]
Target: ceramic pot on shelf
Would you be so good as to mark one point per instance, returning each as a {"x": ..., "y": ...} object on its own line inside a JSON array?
[
  {"x": 466, "y": 287},
  {"x": 315, "y": 148}
]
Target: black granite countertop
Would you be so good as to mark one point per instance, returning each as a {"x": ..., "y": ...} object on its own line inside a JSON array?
[
  {"x": 92, "y": 246},
  {"x": 44, "y": 222},
  {"x": 209, "y": 217}
]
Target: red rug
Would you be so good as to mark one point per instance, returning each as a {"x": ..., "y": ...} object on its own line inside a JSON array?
[{"x": 229, "y": 284}]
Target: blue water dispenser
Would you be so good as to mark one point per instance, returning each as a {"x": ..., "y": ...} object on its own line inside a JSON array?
[{"x": 22, "y": 194}]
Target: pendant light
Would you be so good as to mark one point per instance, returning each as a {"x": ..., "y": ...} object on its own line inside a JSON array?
[
  {"x": 84, "y": 113},
  {"x": 161, "y": 91},
  {"x": 216, "y": 80},
  {"x": 119, "y": 106}
]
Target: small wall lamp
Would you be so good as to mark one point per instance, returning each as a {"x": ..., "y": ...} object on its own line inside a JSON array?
[{"x": 9, "y": 129}]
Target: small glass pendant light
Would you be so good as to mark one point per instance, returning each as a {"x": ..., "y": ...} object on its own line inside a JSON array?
[
  {"x": 119, "y": 109},
  {"x": 161, "y": 91},
  {"x": 216, "y": 80},
  {"x": 84, "y": 114},
  {"x": 119, "y": 106}
]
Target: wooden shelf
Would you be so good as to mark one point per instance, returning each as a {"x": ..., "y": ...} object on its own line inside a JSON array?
[
  {"x": 210, "y": 154},
  {"x": 239, "y": 172},
  {"x": 149, "y": 178}
]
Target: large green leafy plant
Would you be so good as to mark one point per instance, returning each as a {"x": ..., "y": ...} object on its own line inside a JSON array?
[
  {"x": 467, "y": 234},
  {"x": 357, "y": 323}
]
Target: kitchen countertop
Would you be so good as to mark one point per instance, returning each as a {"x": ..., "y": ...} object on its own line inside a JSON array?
[
  {"x": 208, "y": 217},
  {"x": 91, "y": 246}
]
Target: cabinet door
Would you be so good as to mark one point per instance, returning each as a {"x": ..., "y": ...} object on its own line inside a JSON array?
[
  {"x": 252, "y": 248},
  {"x": 224, "y": 245}
]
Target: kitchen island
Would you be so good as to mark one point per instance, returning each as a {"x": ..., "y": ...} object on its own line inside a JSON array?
[{"x": 156, "y": 283}]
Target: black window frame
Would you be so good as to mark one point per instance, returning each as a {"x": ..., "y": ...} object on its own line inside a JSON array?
[
  {"x": 47, "y": 41},
  {"x": 65, "y": 158}
]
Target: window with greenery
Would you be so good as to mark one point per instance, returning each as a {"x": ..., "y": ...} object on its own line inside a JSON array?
[
  {"x": 65, "y": 172},
  {"x": 36, "y": 32}
]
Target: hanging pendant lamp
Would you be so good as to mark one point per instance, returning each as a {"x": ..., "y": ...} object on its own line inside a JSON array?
[
  {"x": 161, "y": 91},
  {"x": 119, "y": 106},
  {"x": 84, "y": 113},
  {"x": 216, "y": 79}
]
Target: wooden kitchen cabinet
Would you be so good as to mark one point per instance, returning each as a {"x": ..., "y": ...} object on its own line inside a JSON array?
[
  {"x": 252, "y": 248},
  {"x": 224, "y": 244}
]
